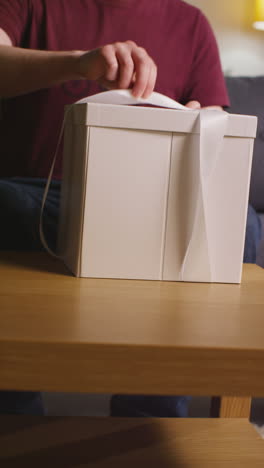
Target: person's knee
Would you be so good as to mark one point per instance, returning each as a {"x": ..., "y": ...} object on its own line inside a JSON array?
[
  {"x": 9, "y": 197},
  {"x": 18, "y": 216}
]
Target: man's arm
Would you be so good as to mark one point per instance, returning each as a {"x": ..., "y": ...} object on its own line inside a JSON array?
[{"x": 119, "y": 65}]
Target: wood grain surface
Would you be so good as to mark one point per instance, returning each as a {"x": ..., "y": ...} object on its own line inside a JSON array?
[
  {"x": 231, "y": 407},
  {"x": 118, "y": 443},
  {"x": 61, "y": 333}
]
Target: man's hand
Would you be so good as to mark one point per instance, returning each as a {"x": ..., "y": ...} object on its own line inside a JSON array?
[
  {"x": 193, "y": 105},
  {"x": 196, "y": 105},
  {"x": 121, "y": 65}
]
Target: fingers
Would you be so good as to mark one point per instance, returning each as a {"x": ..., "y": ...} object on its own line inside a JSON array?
[
  {"x": 194, "y": 105},
  {"x": 145, "y": 73},
  {"x": 151, "y": 81},
  {"x": 128, "y": 66},
  {"x": 111, "y": 63}
]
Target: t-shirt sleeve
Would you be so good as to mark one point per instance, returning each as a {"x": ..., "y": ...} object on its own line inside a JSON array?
[
  {"x": 13, "y": 19},
  {"x": 206, "y": 82}
]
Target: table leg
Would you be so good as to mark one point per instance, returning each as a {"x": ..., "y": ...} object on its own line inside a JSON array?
[{"x": 231, "y": 407}]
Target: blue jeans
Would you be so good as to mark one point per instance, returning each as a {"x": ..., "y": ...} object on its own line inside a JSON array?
[
  {"x": 253, "y": 236},
  {"x": 20, "y": 202}
]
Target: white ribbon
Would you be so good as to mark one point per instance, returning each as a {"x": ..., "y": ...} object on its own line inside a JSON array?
[
  {"x": 125, "y": 97},
  {"x": 199, "y": 253}
]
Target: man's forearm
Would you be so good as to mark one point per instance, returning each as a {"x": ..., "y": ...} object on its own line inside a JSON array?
[{"x": 23, "y": 71}]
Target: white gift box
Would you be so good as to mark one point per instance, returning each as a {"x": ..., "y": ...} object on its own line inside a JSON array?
[{"x": 155, "y": 193}]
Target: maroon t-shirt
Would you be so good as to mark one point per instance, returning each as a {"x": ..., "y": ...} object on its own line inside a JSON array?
[{"x": 175, "y": 34}]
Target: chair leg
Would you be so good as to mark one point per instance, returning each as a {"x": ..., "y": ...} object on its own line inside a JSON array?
[{"x": 230, "y": 407}]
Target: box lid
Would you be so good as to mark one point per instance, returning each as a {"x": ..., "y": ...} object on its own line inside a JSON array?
[{"x": 155, "y": 119}]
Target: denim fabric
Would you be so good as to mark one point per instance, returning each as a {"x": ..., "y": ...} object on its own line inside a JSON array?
[
  {"x": 253, "y": 236},
  {"x": 139, "y": 406},
  {"x": 20, "y": 203},
  {"x": 27, "y": 403}
]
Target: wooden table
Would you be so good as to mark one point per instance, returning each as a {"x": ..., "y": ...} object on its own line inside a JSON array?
[{"x": 59, "y": 333}]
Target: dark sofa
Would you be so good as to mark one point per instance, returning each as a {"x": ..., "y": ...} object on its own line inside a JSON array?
[{"x": 247, "y": 97}]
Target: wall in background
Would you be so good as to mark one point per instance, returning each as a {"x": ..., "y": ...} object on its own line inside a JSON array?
[{"x": 241, "y": 47}]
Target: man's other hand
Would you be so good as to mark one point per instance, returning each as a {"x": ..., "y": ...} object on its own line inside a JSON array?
[
  {"x": 193, "y": 105},
  {"x": 196, "y": 105}
]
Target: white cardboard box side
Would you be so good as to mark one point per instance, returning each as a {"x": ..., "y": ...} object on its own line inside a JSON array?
[
  {"x": 227, "y": 209},
  {"x": 76, "y": 150},
  {"x": 126, "y": 202}
]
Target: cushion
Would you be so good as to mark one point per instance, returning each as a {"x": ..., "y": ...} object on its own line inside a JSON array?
[{"x": 247, "y": 97}]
